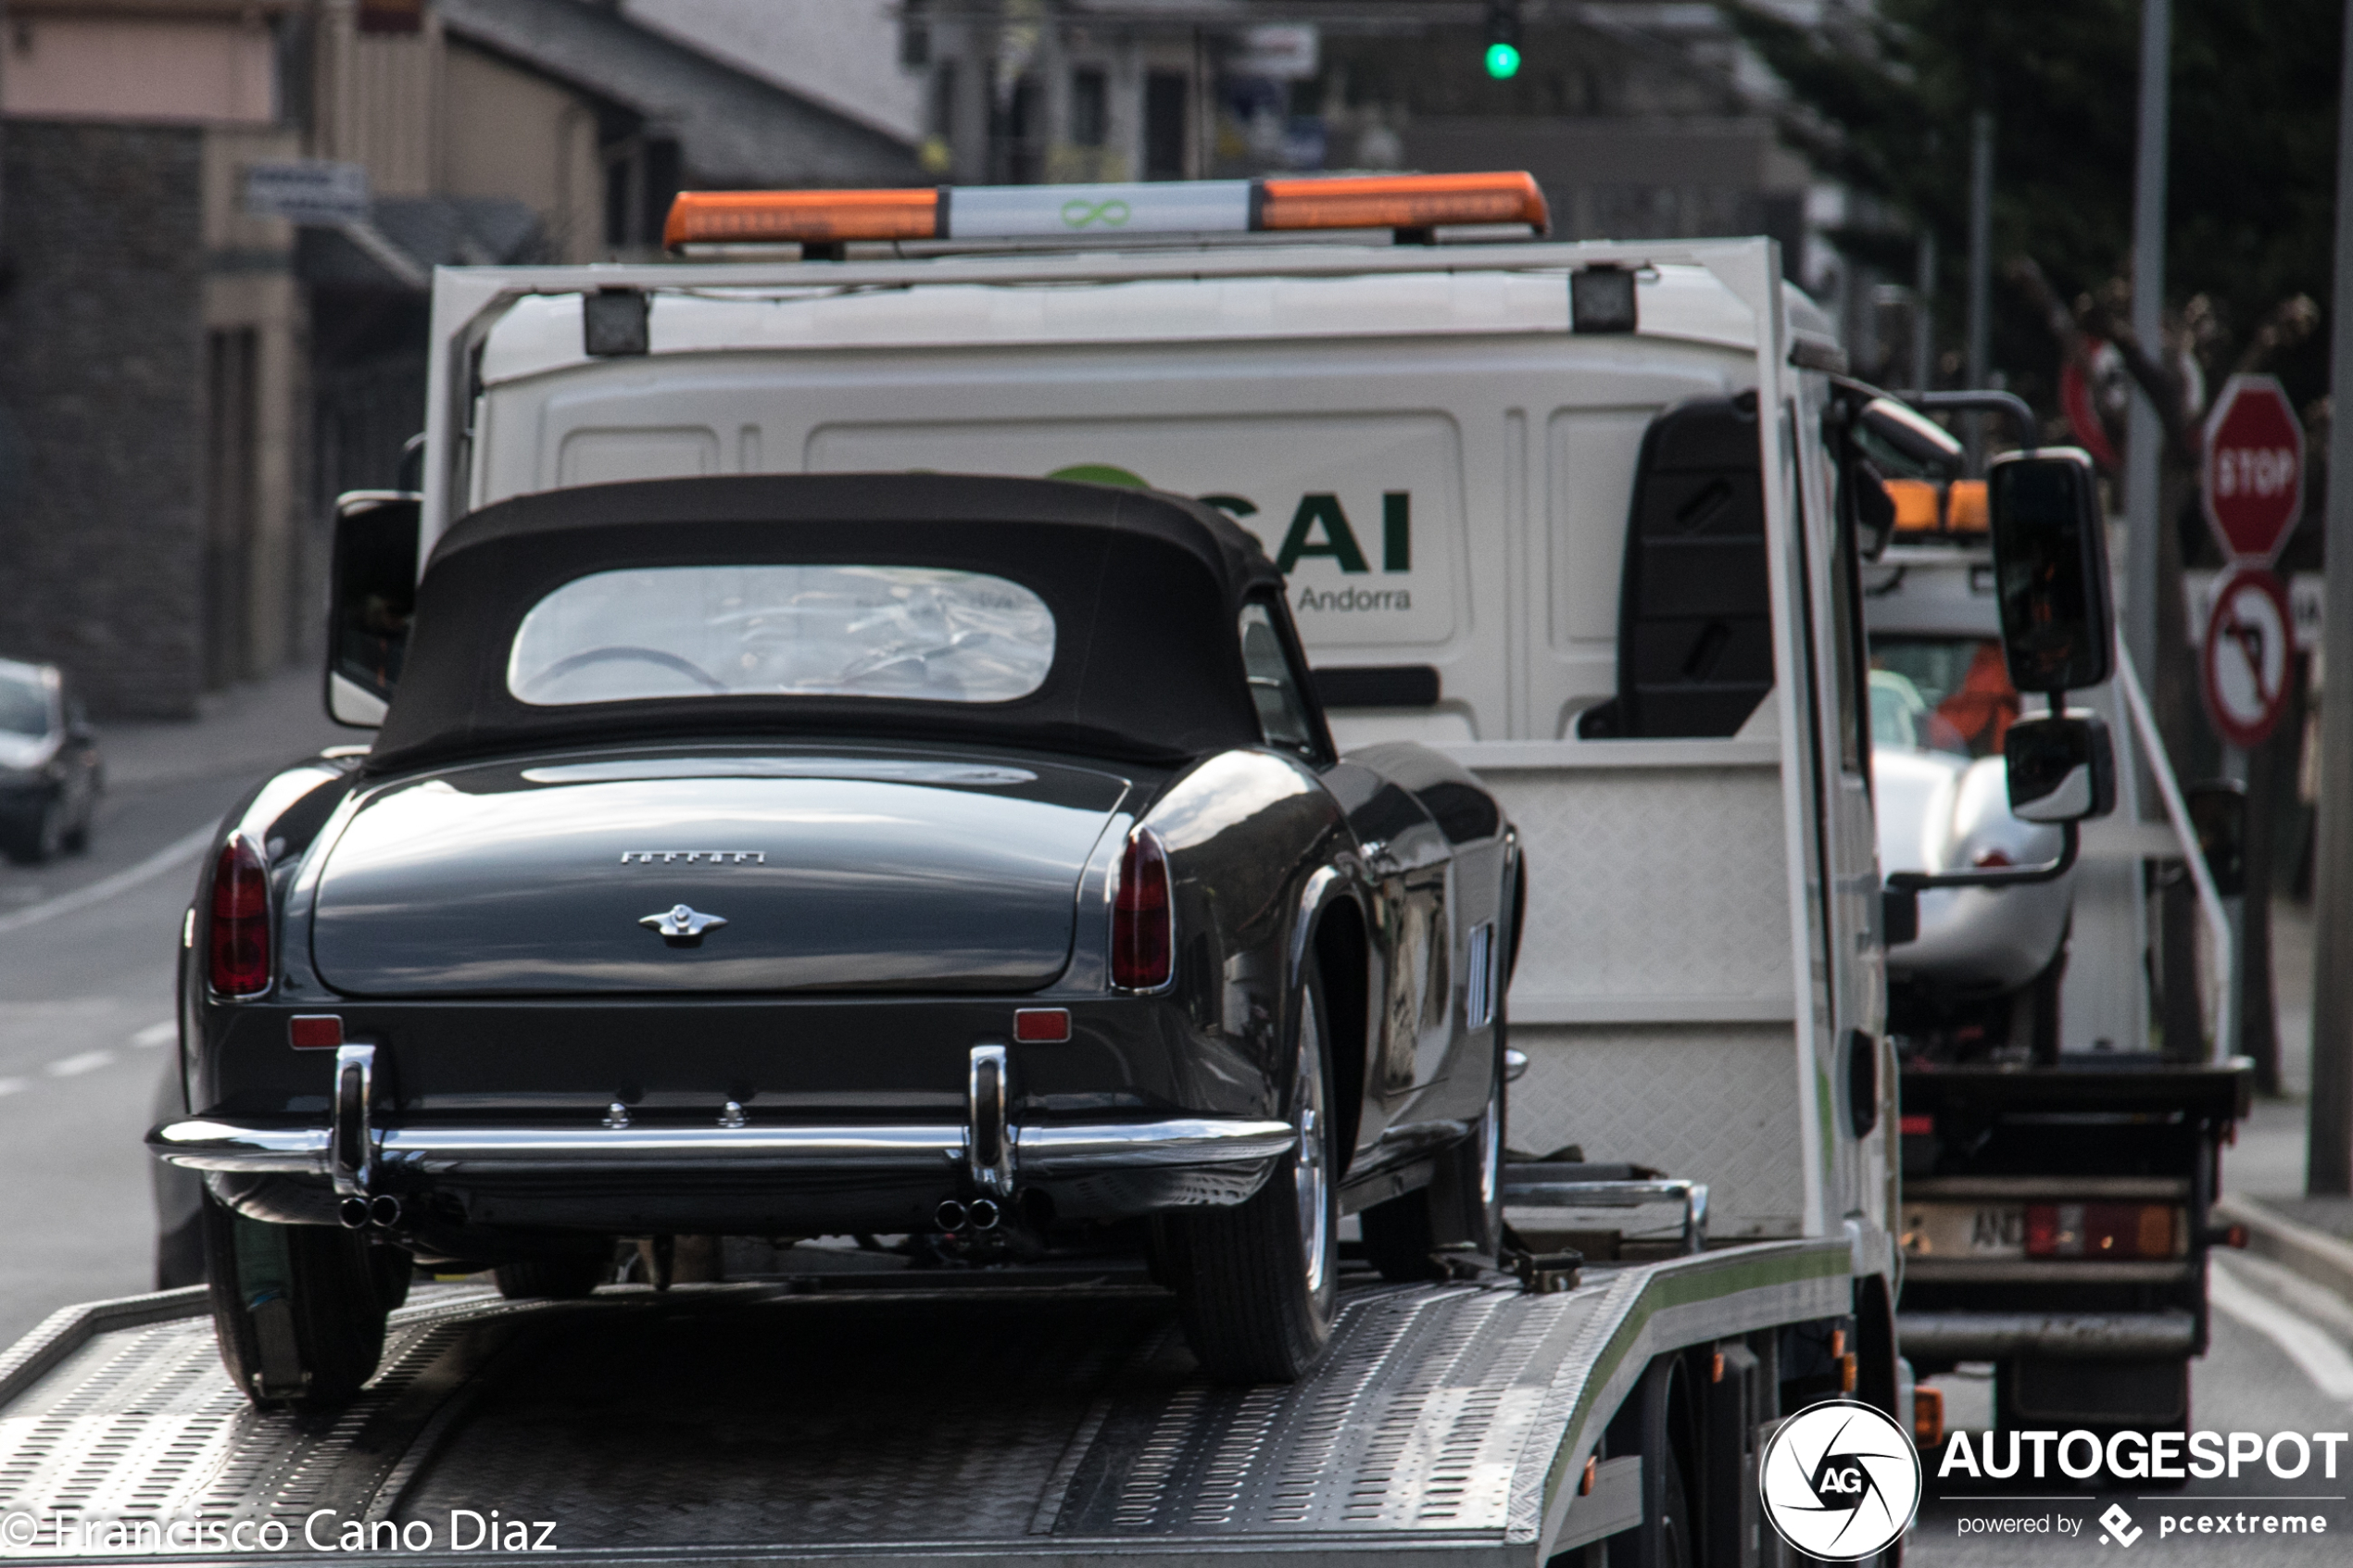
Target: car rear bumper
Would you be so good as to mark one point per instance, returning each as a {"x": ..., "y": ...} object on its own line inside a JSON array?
[{"x": 728, "y": 1180}]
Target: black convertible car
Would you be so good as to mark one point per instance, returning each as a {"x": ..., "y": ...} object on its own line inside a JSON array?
[{"x": 958, "y": 859}]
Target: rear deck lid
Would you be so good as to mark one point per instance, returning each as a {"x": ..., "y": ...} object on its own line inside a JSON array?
[{"x": 932, "y": 871}]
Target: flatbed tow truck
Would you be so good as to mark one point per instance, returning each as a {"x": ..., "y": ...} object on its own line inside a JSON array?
[{"x": 1617, "y": 579}]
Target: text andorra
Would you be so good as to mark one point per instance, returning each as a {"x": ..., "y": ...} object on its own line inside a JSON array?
[{"x": 2155, "y": 1456}]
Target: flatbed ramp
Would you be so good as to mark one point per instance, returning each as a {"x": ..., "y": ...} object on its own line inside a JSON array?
[{"x": 883, "y": 1423}]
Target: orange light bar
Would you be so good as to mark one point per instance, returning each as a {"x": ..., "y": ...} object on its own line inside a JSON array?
[
  {"x": 808, "y": 217},
  {"x": 1916, "y": 507},
  {"x": 1966, "y": 509},
  {"x": 1402, "y": 201},
  {"x": 1405, "y": 202}
]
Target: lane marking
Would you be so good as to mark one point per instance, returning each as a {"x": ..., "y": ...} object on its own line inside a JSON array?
[
  {"x": 12, "y": 1085},
  {"x": 2306, "y": 1343},
  {"x": 76, "y": 1065},
  {"x": 155, "y": 1034},
  {"x": 98, "y": 892}
]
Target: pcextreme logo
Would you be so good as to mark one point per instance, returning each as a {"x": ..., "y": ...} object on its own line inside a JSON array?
[{"x": 1840, "y": 1480}]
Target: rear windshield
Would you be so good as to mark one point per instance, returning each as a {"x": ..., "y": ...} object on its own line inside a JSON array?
[
  {"x": 1941, "y": 694},
  {"x": 929, "y": 633},
  {"x": 24, "y": 706}
]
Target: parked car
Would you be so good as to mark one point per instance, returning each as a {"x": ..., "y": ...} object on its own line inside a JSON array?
[
  {"x": 50, "y": 772},
  {"x": 908, "y": 854}
]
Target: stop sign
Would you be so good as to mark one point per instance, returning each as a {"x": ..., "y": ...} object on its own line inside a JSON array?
[{"x": 2253, "y": 485}]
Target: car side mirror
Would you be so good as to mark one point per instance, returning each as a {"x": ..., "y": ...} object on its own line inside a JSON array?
[
  {"x": 2050, "y": 566},
  {"x": 372, "y": 593},
  {"x": 2218, "y": 811},
  {"x": 2061, "y": 768}
]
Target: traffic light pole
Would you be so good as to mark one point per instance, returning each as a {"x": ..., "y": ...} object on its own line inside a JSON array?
[{"x": 2329, "y": 1155}]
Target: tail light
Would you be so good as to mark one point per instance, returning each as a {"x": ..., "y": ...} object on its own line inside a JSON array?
[
  {"x": 2100, "y": 1229},
  {"x": 1141, "y": 938},
  {"x": 239, "y": 945}
]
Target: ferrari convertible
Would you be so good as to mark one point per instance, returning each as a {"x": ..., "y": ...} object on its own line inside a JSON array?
[{"x": 952, "y": 858}]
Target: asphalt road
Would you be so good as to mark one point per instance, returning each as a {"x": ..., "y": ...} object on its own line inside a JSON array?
[{"x": 87, "y": 951}]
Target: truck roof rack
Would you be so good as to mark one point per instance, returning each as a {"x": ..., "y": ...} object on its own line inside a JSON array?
[{"x": 822, "y": 222}]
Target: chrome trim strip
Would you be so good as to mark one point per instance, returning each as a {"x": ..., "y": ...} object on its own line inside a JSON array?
[
  {"x": 202, "y": 1144},
  {"x": 1058, "y": 1151},
  {"x": 1993, "y": 1336}
]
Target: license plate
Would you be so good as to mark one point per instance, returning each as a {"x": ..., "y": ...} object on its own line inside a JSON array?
[{"x": 1965, "y": 1230}]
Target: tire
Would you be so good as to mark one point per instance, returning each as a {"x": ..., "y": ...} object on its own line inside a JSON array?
[
  {"x": 37, "y": 842},
  {"x": 1462, "y": 1204},
  {"x": 565, "y": 1278},
  {"x": 1674, "y": 1536},
  {"x": 298, "y": 1310},
  {"x": 1257, "y": 1283},
  {"x": 76, "y": 838}
]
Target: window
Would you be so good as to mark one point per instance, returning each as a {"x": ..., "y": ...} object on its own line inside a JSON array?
[
  {"x": 24, "y": 706},
  {"x": 1089, "y": 108},
  {"x": 1274, "y": 686},
  {"x": 1942, "y": 694},
  {"x": 925, "y": 633}
]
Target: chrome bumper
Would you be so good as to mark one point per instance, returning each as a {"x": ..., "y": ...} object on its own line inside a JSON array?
[
  {"x": 1992, "y": 1336},
  {"x": 1038, "y": 1152}
]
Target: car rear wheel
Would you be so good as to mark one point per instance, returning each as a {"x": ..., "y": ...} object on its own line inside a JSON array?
[
  {"x": 1256, "y": 1282},
  {"x": 298, "y": 1310},
  {"x": 37, "y": 839},
  {"x": 1462, "y": 1206}
]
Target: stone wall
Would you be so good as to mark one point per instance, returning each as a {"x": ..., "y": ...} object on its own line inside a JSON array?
[{"x": 102, "y": 513}]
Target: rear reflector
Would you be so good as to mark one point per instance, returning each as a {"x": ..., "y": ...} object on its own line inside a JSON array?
[
  {"x": 1041, "y": 1026},
  {"x": 1142, "y": 944},
  {"x": 239, "y": 949},
  {"x": 1414, "y": 202},
  {"x": 314, "y": 1031},
  {"x": 1916, "y": 1127},
  {"x": 1928, "y": 1417}
]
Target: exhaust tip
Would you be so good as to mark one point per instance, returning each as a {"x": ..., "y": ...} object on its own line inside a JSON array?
[
  {"x": 353, "y": 1212},
  {"x": 984, "y": 1213},
  {"x": 385, "y": 1209},
  {"x": 951, "y": 1215}
]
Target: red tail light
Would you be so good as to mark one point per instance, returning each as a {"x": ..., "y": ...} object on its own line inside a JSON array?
[
  {"x": 2100, "y": 1229},
  {"x": 240, "y": 946},
  {"x": 1141, "y": 942}
]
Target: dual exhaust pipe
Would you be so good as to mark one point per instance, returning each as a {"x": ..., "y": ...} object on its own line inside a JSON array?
[
  {"x": 980, "y": 1214},
  {"x": 358, "y": 1213}
]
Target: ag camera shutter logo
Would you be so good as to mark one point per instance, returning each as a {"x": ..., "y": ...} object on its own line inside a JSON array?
[{"x": 1840, "y": 1480}]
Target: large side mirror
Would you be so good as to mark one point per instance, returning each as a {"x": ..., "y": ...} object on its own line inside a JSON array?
[
  {"x": 2218, "y": 813},
  {"x": 2061, "y": 768},
  {"x": 372, "y": 593},
  {"x": 2050, "y": 562}
]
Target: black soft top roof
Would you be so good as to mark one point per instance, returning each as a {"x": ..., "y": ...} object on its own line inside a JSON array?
[{"x": 1145, "y": 589}]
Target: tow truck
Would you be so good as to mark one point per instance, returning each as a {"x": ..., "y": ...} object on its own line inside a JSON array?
[{"x": 1582, "y": 515}]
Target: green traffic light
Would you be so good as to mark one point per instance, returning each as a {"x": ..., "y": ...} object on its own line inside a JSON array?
[{"x": 1503, "y": 61}]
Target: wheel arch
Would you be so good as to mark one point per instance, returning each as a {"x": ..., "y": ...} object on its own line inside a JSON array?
[{"x": 1333, "y": 935}]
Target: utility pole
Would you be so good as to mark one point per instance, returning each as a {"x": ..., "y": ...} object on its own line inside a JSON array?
[
  {"x": 2145, "y": 439},
  {"x": 1981, "y": 245},
  {"x": 2329, "y": 1154},
  {"x": 1924, "y": 314}
]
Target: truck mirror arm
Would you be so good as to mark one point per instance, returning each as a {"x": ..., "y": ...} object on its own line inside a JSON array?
[{"x": 1996, "y": 876}]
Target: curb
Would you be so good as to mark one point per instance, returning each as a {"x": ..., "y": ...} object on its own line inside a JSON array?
[{"x": 2314, "y": 1255}]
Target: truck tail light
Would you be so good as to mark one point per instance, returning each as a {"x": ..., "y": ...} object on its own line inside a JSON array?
[
  {"x": 1142, "y": 941},
  {"x": 2100, "y": 1229},
  {"x": 1928, "y": 1417},
  {"x": 240, "y": 936}
]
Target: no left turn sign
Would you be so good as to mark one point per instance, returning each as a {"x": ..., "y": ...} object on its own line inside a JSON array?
[{"x": 2248, "y": 658}]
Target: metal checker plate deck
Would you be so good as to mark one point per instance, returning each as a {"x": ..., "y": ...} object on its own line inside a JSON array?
[{"x": 745, "y": 1420}]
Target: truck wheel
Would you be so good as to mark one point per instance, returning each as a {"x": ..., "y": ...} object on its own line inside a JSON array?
[
  {"x": 1463, "y": 1204},
  {"x": 37, "y": 840},
  {"x": 298, "y": 1310},
  {"x": 566, "y": 1277},
  {"x": 1257, "y": 1281}
]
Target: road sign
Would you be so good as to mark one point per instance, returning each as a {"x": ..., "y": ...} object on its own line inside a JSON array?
[
  {"x": 2253, "y": 483},
  {"x": 308, "y": 190},
  {"x": 2248, "y": 656}
]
